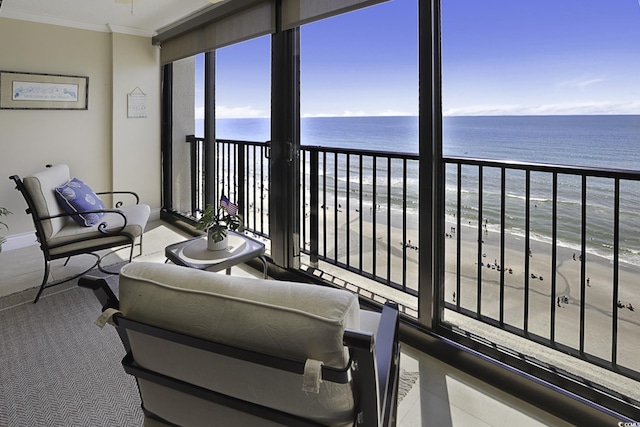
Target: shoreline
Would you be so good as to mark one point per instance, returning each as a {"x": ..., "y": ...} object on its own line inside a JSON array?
[
  {"x": 542, "y": 299},
  {"x": 543, "y": 303}
]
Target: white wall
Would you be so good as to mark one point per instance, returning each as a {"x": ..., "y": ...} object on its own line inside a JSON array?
[
  {"x": 101, "y": 145},
  {"x": 136, "y": 141}
]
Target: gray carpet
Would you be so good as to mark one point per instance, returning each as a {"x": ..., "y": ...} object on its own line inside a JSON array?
[{"x": 57, "y": 368}]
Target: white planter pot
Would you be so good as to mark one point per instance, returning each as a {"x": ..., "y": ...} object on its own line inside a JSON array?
[{"x": 212, "y": 245}]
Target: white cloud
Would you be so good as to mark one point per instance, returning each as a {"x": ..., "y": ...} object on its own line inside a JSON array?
[
  {"x": 348, "y": 113},
  {"x": 311, "y": 115},
  {"x": 395, "y": 113},
  {"x": 568, "y": 108},
  {"x": 224, "y": 112},
  {"x": 345, "y": 113},
  {"x": 580, "y": 83},
  {"x": 484, "y": 110}
]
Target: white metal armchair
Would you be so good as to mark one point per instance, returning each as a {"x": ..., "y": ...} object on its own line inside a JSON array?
[
  {"x": 63, "y": 234},
  {"x": 210, "y": 349}
]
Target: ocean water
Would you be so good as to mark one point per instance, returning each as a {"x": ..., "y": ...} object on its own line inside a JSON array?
[{"x": 611, "y": 142}]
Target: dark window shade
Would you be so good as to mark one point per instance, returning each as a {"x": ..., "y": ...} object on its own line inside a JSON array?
[
  {"x": 253, "y": 18},
  {"x": 299, "y": 12},
  {"x": 251, "y": 22}
]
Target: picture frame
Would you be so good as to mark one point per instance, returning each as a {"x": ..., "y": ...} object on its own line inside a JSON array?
[{"x": 34, "y": 91}]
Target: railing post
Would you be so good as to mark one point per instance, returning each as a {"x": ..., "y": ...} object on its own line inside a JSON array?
[
  {"x": 241, "y": 175},
  {"x": 193, "y": 151},
  {"x": 313, "y": 202}
]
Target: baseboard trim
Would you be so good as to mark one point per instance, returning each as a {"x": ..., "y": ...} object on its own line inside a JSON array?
[{"x": 18, "y": 241}]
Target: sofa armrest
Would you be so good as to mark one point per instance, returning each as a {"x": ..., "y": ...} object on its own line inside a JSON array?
[
  {"x": 107, "y": 299},
  {"x": 101, "y": 289},
  {"x": 376, "y": 355},
  {"x": 387, "y": 349}
]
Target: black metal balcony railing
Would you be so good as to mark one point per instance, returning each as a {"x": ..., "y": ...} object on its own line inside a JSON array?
[
  {"x": 241, "y": 173},
  {"x": 552, "y": 255},
  {"x": 512, "y": 232},
  {"x": 358, "y": 208},
  {"x": 360, "y": 213}
]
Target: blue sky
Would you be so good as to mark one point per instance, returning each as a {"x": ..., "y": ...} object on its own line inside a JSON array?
[
  {"x": 500, "y": 57},
  {"x": 541, "y": 57}
]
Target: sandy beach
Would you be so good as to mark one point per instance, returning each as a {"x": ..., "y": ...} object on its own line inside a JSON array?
[
  {"x": 598, "y": 291},
  {"x": 388, "y": 259},
  {"x": 542, "y": 300}
]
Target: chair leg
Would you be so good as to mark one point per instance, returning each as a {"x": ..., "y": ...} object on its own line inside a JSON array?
[
  {"x": 47, "y": 268},
  {"x": 140, "y": 244},
  {"x": 133, "y": 245},
  {"x": 44, "y": 280}
]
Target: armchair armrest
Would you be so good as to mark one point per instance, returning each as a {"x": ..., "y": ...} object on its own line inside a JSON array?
[
  {"x": 120, "y": 203},
  {"x": 102, "y": 227}
]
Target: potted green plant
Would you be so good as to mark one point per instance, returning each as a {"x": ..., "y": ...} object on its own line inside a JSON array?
[
  {"x": 216, "y": 221},
  {"x": 5, "y": 212}
]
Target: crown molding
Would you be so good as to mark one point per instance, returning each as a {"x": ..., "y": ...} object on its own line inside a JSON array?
[
  {"x": 108, "y": 28},
  {"x": 130, "y": 31}
]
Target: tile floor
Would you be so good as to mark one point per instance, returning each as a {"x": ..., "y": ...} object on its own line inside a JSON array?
[{"x": 442, "y": 396}]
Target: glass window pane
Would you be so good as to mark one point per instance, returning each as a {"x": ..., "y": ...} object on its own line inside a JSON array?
[
  {"x": 243, "y": 91},
  {"x": 359, "y": 93},
  {"x": 553, "y": 83}
]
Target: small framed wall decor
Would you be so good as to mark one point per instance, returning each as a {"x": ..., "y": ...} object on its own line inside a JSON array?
[
  {"x": 137, "y": 104},
  {"x": 31, "y": 91}
]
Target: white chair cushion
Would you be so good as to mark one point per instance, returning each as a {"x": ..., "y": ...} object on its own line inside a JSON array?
[
  {"x": 291, "y": 319},
  {"x": 41, "y": 187},
  {"x": 283, "y": 318},
  {"x": 137, "y": 216},
  {"x": 58, "y": 231}
]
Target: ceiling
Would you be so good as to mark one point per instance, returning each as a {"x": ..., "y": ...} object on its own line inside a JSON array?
[{"x": 137, "y": 17}]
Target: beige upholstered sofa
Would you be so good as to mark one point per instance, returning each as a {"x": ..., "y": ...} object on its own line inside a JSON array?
[{"x": 252, "y": 352}]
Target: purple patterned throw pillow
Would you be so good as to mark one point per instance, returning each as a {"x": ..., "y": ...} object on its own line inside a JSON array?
[{"x": 76, "y": 197}]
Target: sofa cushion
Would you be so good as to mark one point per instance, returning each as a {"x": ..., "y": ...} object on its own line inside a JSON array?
[
  {"x": 287, "y": 318},
  {"x": 76, "y": 197},
  {"x": 296, "y": 320}
]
